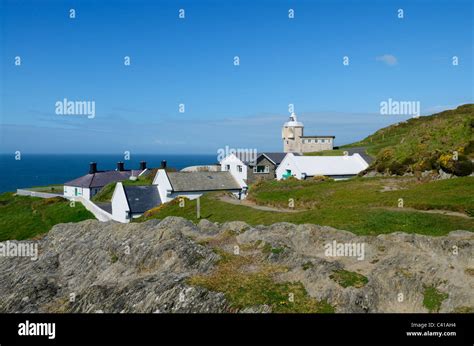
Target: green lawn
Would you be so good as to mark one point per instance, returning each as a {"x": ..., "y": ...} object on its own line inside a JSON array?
[
  {"x": 335, "y": 152},
  {"x": 57, "y": 189},
  {"x": 356, "y": 205},
  {"x": 23, "y": 217}
]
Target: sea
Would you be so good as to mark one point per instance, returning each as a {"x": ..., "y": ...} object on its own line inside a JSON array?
[{"x": 33, "y": 170}]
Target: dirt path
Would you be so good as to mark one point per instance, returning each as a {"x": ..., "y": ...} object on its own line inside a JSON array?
[
  {"x": 250, "y": 204},
  {"x": 433, "y": 211}
]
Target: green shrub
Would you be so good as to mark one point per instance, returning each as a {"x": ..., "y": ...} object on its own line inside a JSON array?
[
  {"x": 397, "y": 168},
  {"x": 462, "y": 168}
]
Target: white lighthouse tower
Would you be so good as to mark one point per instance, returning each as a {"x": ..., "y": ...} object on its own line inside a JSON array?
[
  {"x": 294, "y": 141},
  {"x": 291, "y": 134}
]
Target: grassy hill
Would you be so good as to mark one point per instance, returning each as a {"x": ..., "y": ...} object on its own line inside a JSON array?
[
  {"x": 370, "y": 206},
  {"x": 23, "y": 217},
  {"x": 424, "y": 143},
  {"x": 366, "y": 206}
]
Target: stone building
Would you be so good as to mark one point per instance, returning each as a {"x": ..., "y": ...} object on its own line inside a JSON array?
[{"x": 294, "y": 140}]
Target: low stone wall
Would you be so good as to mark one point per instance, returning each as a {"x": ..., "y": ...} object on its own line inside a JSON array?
[{"x": 22, "y": 192}]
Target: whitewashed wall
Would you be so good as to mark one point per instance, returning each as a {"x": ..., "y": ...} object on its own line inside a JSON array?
[
  {"x": 233, "y": 162},
  {"x": 288, "y": 163},
  {"x": 120, "y": 207}
]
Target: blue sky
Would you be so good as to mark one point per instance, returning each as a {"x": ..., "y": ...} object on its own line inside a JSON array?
[{"x": 190, "y": 61}]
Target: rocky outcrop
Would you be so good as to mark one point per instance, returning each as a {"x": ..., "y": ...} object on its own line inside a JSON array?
[
  {"x": 93, "y": 266},
  {"x": 110, "y": 267}
]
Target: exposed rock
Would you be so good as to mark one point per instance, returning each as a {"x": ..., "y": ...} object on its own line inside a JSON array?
[
  {"x": 394, "y": 264},
  {"x": 111, "y": 267},
  {"x": 144, "y": 267},
  {"x": 443, "y": 175},
  {"x": 261, "y": 309}
]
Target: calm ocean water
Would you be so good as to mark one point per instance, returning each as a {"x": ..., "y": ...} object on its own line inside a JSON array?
[{"x": 39, "y": 170}]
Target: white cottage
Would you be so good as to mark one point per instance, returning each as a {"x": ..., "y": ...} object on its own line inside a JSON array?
[
  {"x": 193, "y": 184},
  {"x": 336, "y": 167},
  {"x": 129, "y": 202},
  {"x": 90, "y": 184},
  {"x": 237, "y": 167}
]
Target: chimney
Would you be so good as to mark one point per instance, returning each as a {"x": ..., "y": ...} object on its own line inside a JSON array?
[
  {"x": 120, "y": 166},
  {"x": 142, "y": 165},
  {"x": 163, "y": 164},
  {"x": 92, "y": 167}
]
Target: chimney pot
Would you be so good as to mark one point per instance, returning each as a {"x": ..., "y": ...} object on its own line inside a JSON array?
[{"x": 92, "y": 167}]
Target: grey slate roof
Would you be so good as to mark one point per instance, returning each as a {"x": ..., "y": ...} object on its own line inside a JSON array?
[
  {"x": 275, "y": 157},
  {"x": 102, "y": 178},
  {"x": 362, "y": 152},
  {"x": 202, "y": 181},
  {"x": 142, "y": 198}
]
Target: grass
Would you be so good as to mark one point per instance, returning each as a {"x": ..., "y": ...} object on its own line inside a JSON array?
[
  {"x": 57, "y": 189},
  {"x": 349, "y": 279},
  {"x": 249, "y": 289},
  {"x": 450, "y": 194},
  {"x": 417, "y": 142},
  {"x": 335, "y": 152},
  {"x": 432, "y": 298},
  {"x": 357, "y": 205},
  {"x": 267, "y": 248},
  {"x": 23, "y": 217}
]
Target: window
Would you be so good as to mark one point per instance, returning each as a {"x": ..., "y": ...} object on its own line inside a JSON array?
[
  {"x": 261, "y": 169},
  {"x": 239, "y": 168},
  {"x": 227, "y": 167}
]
